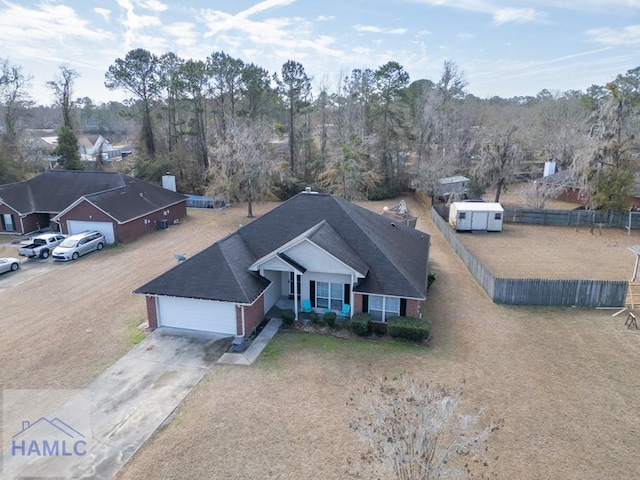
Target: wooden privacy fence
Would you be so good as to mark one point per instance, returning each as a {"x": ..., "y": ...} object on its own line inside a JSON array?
[
  {"x": 536, "y": 291},
  {"x": 481, "y": 273},
  {"x": 573, "y": 218}
]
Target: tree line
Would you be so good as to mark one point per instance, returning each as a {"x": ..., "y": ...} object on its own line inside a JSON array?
[{"x": 233, "y": 129}]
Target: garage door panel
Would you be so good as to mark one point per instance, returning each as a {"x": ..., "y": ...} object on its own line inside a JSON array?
[
  {"x": 106, "y": 228},
  {"x": 202, "y": 315}
]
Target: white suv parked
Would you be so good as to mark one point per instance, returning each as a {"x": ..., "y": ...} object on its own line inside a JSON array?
[{"x": 76, "y": 245}]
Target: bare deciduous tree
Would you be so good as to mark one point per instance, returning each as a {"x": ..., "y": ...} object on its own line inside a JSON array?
[
  {"x": 499, "y": 155},
  {"x": 414, "y": 431},
  {"x": 245, "y": 164},
  {"x": 62, "y": 87}
]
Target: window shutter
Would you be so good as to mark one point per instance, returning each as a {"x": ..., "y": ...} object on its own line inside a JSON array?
[
  {"x": 403, "y": 307},
  {"x": 312, "y": 292},
  {"x": 347, "y": 294},
  {"x": 365, "y": 303}
]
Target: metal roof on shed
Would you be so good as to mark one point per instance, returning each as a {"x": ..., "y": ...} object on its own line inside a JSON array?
[
  {"x": 456, "y": 179},
  {"x": 478, "y": 207}
]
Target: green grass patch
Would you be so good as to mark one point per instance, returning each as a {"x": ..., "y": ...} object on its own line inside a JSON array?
[
  {"x": 136, "y": 335},
  {"x": 295, "y": 342}
]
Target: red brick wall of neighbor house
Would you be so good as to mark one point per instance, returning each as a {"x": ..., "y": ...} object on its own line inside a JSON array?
[
  {"x": 16, "y": 218},
  {"x": 253, "y": 315},
  {"x": 129, "y": 231},
  {"x": 136, "y": 228},
  {"x": 35, "y": 221},
  {"x": 84, "y": 211},
  {"x": 357, "y": 303},
  {"x": 152, "y": 312}
]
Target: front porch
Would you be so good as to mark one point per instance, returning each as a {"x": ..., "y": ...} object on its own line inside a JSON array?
[{"x": 287, "y": 303}]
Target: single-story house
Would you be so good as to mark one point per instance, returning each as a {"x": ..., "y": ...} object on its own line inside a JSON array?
[
  {"x": 569, "y": 190},
  {"x": 314, "y": 249},
  {"x": 122, "y": 207}
]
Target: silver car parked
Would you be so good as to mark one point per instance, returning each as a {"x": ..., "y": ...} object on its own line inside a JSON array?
[{"x": 80, "y": 244}]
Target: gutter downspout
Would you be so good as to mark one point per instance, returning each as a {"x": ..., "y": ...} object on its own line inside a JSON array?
[{"x": 295, "y": 294}]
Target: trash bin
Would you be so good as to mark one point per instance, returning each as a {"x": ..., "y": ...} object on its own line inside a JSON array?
[{"x": 164, "y": 224}]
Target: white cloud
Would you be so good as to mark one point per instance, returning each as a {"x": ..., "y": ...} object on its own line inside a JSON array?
[
  {"x": 274, "y": 37},
  {"x": 325, "y": 18},
  {"x": 516, "y": 15},
  {"x": 183, "y": 32},
  {"x": 374, "y": 29},
  {"x": 134, "y": 25},
  {"x": 48, "y": 32},
  {"x": 103, "y": 12},
  {"x": 265, "y": 5},
  {"x": 609, "y": 36},
  {"x": 500, "y": 14},
  {"x": 154, "y": 5}
]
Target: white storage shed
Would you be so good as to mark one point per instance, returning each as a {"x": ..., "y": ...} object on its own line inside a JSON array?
[{"x": 476, "y": 216}]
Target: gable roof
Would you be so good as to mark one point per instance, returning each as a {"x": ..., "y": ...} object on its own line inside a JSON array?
[
  {"x": 54, "y": 191},
  {"x": 394, "y": 256}
]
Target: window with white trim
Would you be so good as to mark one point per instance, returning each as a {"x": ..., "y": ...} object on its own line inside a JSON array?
[
  {"x": 329, "y": 295},
  {"x": 381, "y": 308}
]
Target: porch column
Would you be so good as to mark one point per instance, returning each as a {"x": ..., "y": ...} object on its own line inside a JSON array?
[{"x": 295, "y": 294}]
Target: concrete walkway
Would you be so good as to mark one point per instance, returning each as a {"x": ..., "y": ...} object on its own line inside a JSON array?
[
  {"x": 257, "y": 345},
  {"x": 128, "y": 402}
]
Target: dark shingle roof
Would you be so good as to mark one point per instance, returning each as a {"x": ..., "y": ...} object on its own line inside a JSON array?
[
  {"x": 394, "y": 256},
  {"x": 219, "y": 272},
  {"x": 115, "y": 193},
  {"x": 134, "y": 199}
]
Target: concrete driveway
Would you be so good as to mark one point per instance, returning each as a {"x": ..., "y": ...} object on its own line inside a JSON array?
[
  {"x": 129, "y": 401},
  {"x": 29, "y": 268}
]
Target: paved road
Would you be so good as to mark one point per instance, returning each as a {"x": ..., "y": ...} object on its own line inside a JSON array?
[{"x": 128, "y": 402}]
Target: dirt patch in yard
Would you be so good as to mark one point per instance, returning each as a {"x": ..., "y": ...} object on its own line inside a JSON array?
[{"x": 563, "y": 380}]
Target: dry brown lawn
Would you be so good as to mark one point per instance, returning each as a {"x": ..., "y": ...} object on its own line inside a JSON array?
[
  {"x": 564, "y": 381},
  {"x": 534, "y": 251}
]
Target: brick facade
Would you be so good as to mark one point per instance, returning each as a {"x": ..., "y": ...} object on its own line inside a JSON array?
[
  {"x": 253, "y": 315},
  {"x": 413, "y": 308},
  {"x": 357, "y": 303},
  {"x": 152, "y": 312}
]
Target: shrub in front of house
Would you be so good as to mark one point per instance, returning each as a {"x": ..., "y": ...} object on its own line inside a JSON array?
[
  {"x": 360, "y": 324},
  {"x": 409, "y": 328},
  {"x": 287, "y": 318},
  {"x": 430, "y": 279},
  {"x": 330, "y": 319}
]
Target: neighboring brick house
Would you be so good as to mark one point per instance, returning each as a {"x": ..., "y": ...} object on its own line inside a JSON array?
[
  {"x": 120, "y": 206},
  {"x": 314, "y": 247}
]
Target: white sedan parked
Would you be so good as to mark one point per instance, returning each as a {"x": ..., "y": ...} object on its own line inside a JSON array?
[{"x": 9, "y": 264}]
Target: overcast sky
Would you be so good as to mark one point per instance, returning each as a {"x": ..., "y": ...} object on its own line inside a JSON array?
[{"x": 503, "y": 47}]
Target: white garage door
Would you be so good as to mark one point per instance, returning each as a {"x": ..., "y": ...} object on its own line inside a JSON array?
[
  {"x": 203, "y": 315},
  {"x": 106, "y": 228}
]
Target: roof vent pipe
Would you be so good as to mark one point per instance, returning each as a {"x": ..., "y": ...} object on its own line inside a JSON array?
[{"x": 307, "y": 189}]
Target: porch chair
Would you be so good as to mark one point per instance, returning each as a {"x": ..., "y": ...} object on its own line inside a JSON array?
[
  {"x": 306, "y": 306},
  {"x": 346, "y": 309}
]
